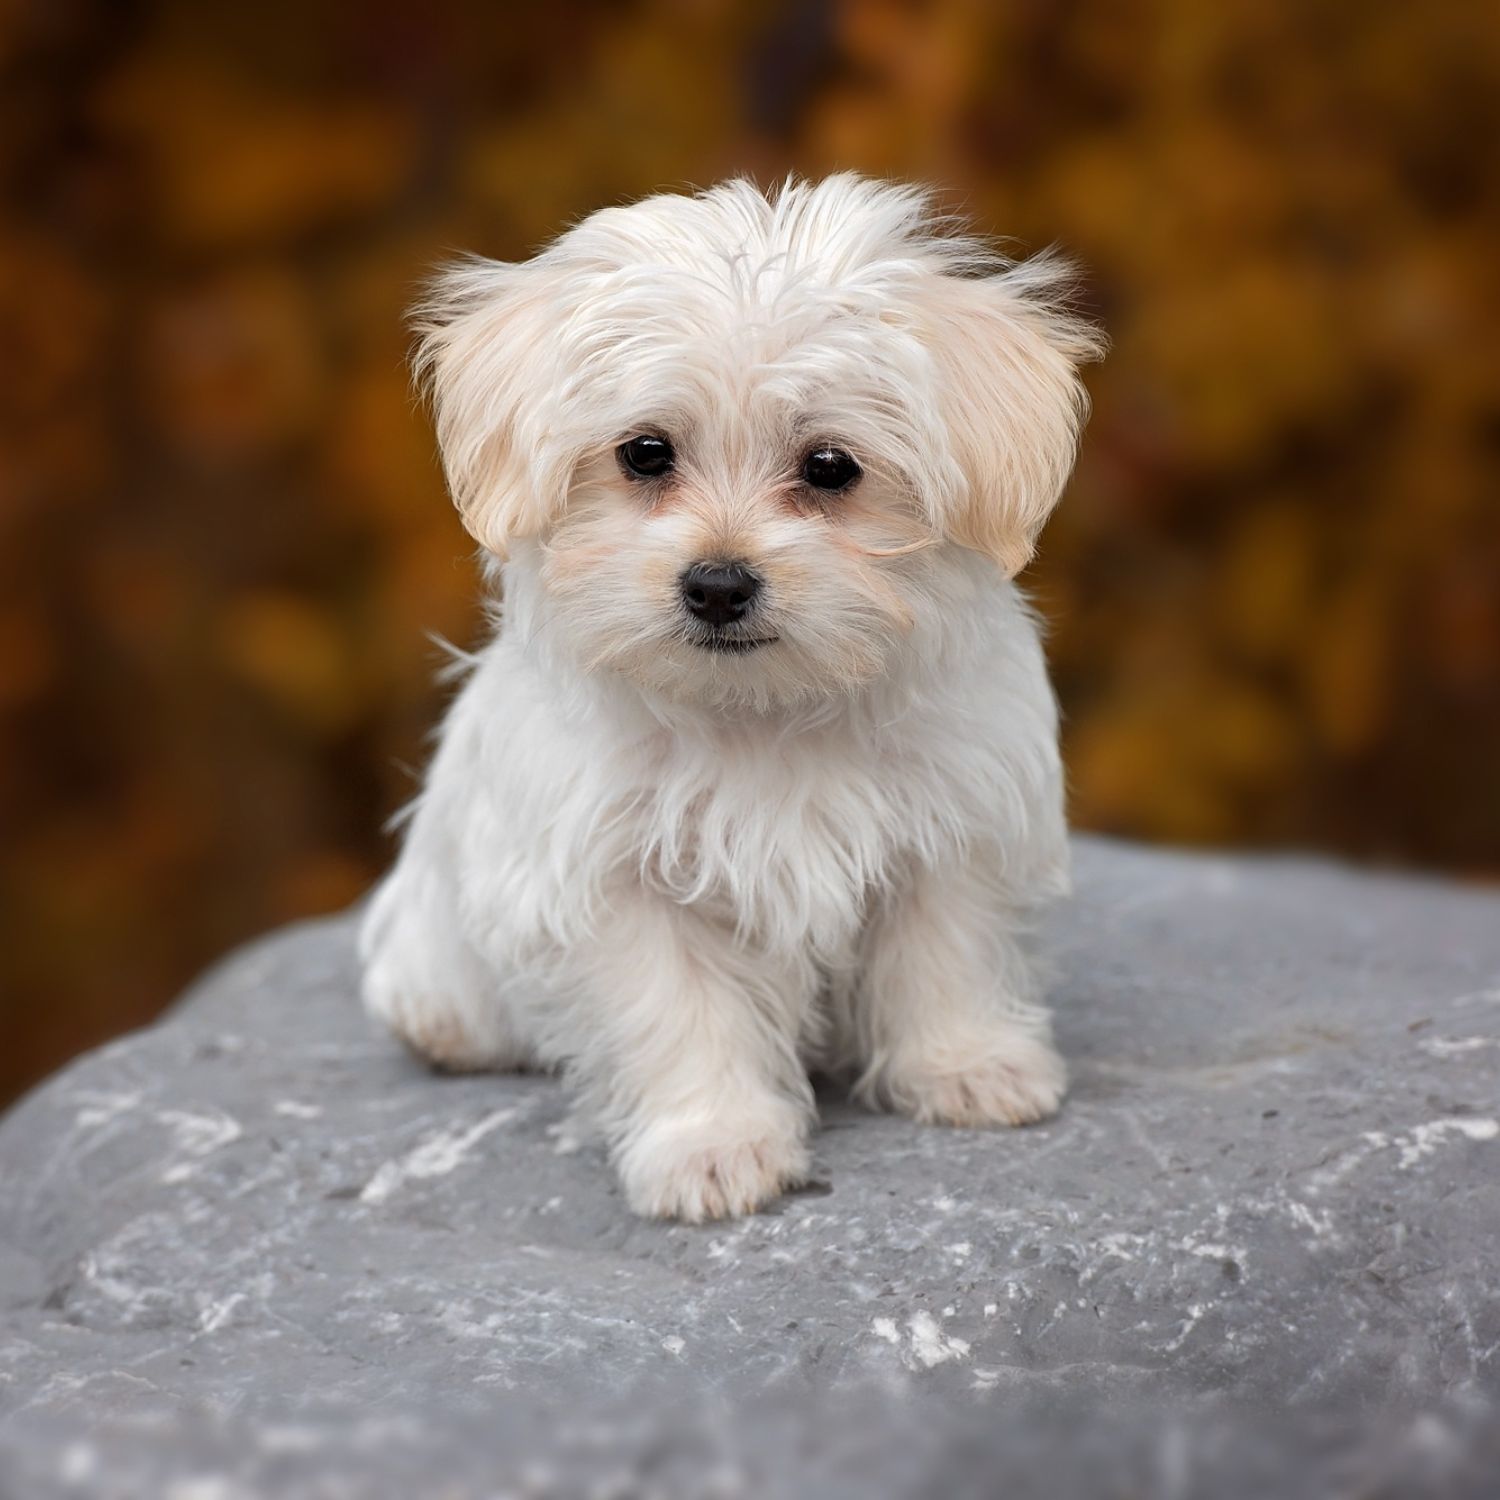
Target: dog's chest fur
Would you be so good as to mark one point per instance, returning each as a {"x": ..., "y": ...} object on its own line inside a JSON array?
[{"x": 784, "y": 835}]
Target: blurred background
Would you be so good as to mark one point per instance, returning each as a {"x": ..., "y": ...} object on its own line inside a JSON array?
[{"x": 1274, "y": 587}]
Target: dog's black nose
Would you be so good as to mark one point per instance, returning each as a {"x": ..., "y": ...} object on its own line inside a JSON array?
[{"x": 719, "y": 593}]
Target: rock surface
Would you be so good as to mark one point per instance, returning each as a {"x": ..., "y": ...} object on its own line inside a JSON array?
[{"x": 256, "y": 1244}]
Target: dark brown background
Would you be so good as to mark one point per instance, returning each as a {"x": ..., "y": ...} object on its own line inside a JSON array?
[{"x": 1274, "y": 588}]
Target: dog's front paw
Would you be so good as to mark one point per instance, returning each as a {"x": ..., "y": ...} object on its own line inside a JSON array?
[
  {"x": 444, "y": 1034},
  {"x": 699, "y": 1171},
  {"x": 436, "y": 1035},
  {"x": 1015, "y": 1084}
]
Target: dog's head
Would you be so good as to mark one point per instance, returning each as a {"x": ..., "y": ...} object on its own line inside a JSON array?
[{"x": 736, "y": 436}]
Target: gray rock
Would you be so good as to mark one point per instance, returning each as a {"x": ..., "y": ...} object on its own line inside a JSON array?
[{"x": 257, "y": 1249}]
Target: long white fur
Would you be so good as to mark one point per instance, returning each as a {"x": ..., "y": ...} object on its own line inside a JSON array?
[{"x": 686, "y": 877}]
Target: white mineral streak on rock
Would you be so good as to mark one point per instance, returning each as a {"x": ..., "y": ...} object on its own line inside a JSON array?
[
  {"x": 214, "y": 1315},
  {"x": 1425, "y": 1139},
  {"x": 1439, "y": 1046},
  {"x": 436, "y": 1156},
  {"x": 294, "y": 1109},
  {"x": 100, "y": 1108},
  {"x": 1194, "y": 1317},
  {"x": 1422, "y": 1140},
  {"x": 930, "y": 1345},
  {"x": 1342, "y": 1164},
  {"x": 1319, "y": 1221},
  {"x": 197, "y": 1136}
]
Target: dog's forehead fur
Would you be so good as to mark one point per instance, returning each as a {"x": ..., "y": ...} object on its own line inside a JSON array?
[
  {"x": 834, "y": 243},
  {"x": 731, "y": 315}
]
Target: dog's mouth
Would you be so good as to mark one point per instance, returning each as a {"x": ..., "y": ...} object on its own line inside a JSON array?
[{"x": 732, "y": 645}]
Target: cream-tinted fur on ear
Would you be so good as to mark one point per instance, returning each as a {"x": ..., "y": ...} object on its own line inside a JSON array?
[
  {"x": 485, "y": 336},
  {"x": 687, "y": 863},
  {"x": 1007, "y": 355}
]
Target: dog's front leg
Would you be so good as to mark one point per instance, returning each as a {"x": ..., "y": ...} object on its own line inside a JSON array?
[
  {"x": 945, "y": 1019},
  {"x": 686, "y": 1046}
]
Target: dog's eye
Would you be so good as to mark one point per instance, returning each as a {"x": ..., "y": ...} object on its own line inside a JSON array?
[
  {"x": 830, "y": 469},
  {"x": 646, "y": 456}
]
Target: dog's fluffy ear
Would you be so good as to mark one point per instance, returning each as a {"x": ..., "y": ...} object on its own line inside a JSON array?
[
  {"x": 1007, "y": 351},
  {"x": 486, "y": 335}
]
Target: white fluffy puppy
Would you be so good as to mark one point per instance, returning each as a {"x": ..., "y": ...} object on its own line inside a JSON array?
[{"x": 760, "y": 774}]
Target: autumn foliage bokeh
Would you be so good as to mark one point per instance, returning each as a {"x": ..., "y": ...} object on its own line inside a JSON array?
[{"x": 1274, "y": 588}]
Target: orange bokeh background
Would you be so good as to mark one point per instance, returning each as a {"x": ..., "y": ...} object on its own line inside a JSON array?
[{"x": 1273, "y": 590}]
